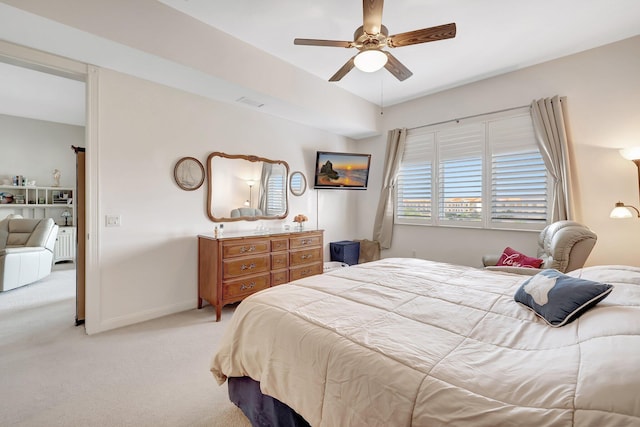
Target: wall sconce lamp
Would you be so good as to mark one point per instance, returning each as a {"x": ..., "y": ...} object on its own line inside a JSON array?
[
  {"x": 621, "y": 210},
  {"x": 249, "y": 202}
]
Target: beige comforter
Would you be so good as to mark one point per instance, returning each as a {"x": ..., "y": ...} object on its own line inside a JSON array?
[{"x": 408, "y": 342}]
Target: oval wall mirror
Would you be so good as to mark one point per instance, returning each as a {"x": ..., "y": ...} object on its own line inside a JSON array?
[
  {"x": 245, "y": 187},
  {"x": 297, "y": 183}
]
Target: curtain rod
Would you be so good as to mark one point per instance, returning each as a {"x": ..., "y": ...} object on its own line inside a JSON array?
[{"x": 470, "y": 117}]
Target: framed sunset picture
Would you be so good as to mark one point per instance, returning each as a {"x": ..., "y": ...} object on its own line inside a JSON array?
[{"x": 349, "y": 171}]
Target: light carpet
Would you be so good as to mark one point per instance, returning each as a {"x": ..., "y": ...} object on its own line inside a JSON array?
[{"x": 154, "y": 373}]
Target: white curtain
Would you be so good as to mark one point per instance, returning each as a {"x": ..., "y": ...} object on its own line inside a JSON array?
[
  {"x": 263, "y": 202},
  {"x": 548, "y": 116},
  {"x": 383, "y": 226}
]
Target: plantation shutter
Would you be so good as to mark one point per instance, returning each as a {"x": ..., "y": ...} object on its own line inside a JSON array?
[
  {"x": 414, "y": 179},
  {"x": 519, "y": 177},
  {"x": 482, "y": 172},
  {"x": 461, "y": 150},
  {"x": 275, "y": 195}
]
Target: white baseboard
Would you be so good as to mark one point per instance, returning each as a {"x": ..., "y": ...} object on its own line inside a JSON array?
[{"x": 130, "y": 319}]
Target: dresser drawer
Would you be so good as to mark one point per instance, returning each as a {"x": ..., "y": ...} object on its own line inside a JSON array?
[
  {"x": 245, "y": 247},
  {"x": 278, "y": 245},
  {"x": 279, "y": 277},
  {"x": 236, "y": 267},
  {"x": 280, "y": 260},
  {"x": 306, "y": 256},
  {"x": 243, "y": 287},
  {"x": 305, "y": 271},
  {"x": 305, "y": 241}
]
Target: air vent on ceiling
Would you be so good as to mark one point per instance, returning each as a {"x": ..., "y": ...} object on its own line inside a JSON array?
[{"x": 250, "y": 102}]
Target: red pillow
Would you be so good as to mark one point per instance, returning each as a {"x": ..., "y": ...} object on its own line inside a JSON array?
[{"x": 512, "y": 258}]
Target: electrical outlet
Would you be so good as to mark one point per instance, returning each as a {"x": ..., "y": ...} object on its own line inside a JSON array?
[{"x": 113, "y": 221}]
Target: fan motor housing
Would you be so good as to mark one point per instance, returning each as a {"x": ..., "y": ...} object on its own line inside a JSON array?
[{"x": 364, "y": 41}]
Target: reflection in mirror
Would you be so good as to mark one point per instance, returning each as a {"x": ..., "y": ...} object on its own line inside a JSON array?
[
  {"x": 297, "y": 183},
  {"x": 246, "y": 187}
]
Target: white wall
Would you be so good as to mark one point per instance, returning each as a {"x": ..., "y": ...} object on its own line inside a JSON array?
[
  {"x": 148, "y": 266},
  {"x": 34, "y": 148},
  {"x": 603, "y": 92}
]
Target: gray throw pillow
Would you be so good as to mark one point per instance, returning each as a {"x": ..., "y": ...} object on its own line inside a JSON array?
[{"x": 560, "y": 299}]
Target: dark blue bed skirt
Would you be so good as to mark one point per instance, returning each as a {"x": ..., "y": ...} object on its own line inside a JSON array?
[{"x": 262, "y": 410}]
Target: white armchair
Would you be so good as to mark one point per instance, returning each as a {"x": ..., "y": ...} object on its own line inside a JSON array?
[
  {"x": 563, "y": 245},
  {"x": 26, "y": 250}
]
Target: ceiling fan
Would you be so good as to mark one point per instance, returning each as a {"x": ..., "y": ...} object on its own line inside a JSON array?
[{"x": 372, "y": 36}]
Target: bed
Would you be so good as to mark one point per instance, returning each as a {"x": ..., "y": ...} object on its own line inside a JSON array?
[{"x": 409, "y": 342}]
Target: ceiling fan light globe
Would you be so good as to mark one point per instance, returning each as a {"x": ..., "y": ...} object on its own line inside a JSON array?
[{"x": 370, "y": 60}]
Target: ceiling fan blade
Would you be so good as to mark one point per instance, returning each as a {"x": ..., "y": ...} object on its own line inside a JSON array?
[
  {"x": 344, "y": 70},
  {"x": 372, "y": 16},
  {"x": 316, "y": 42},
  {"x": 425, "y": 35},
  {"x": 396, "y": 68}
]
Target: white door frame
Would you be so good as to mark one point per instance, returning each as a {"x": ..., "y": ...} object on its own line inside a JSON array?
[{"x": 45, "y": 62}]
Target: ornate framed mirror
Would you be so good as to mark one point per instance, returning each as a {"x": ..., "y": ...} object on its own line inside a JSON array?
[
  {"x": 244, "y": 187},
  {"x": 297, "y": 183}
]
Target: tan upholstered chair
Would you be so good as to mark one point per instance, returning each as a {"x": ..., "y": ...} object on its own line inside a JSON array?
[
  {"x": 563, "y": 245},
  {"x": 246, "y": 212},
  {"x": 26, "y": 250}
]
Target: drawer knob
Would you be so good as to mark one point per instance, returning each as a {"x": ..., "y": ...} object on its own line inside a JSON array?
[
  {"x": 309, "y": 256},
  {"x": 244, "y": 287},
  {"x": 248, "y": 267},
  {"x": 249, "y": 249}
]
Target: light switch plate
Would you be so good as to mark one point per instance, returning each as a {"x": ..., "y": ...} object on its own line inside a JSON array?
[{"x": 113, "y": 221}]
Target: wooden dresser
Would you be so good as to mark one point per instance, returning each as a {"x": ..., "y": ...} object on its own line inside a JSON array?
[{"x": 230, "y": 268}]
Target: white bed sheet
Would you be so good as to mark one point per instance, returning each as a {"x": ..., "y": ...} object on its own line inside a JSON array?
[{"x": 409, "y": 342}]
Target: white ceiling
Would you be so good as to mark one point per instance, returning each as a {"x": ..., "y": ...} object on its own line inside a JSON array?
[
  {"x": 493, "y": 37},
  {"x": 41, "y": 96}
]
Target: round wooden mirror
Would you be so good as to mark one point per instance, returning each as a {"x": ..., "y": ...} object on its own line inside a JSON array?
[
  {"x": 189, "y": 173},
  {"x": 297, "y": 183}
]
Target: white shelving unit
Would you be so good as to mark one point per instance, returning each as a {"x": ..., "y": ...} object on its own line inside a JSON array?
[{"x": 38, "y": 202}]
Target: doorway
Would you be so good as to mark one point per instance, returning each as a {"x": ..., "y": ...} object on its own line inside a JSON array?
[{"x": 44, "y": 108}]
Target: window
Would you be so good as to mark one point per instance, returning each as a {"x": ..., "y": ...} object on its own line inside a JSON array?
[
  {"x": 276, "y": 199},
  {"x": 461, "y": 151},
  {"x": 485, "y": 172},
  {"x": 519, "y": 181},
  {"x": 413, "y": 188}
]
